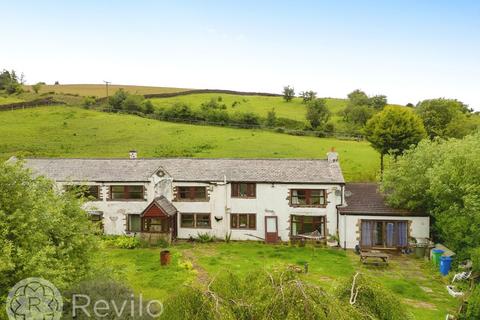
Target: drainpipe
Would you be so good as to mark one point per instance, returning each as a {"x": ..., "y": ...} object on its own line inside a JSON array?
[
  {"x": 338, "y": 216},
  {"x": 225, "y": 222}
]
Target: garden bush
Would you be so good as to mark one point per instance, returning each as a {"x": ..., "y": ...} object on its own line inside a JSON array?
[
  {"x": 122, "y": 242},
  {"x": 205, "y": 237}
]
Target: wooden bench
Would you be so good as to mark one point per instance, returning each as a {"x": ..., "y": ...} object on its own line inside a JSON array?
[{"x": 374, "y": 255}]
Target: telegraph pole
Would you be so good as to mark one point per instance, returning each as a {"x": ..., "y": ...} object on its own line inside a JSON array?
[{"x": 106, "y": 84}]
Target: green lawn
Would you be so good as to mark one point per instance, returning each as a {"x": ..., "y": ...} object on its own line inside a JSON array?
[
  {"x": 412, "y": 280},
  {"x": 75, "y": 132}
]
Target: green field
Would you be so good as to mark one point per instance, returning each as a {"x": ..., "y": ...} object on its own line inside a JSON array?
[
  {"x": 99, "y": 90},
  {"x": 260, "y": 105},
  {"x": 415, "y": 282},
  {"x": 75, "y": 132},
  {"x": 10, "y": 99}
]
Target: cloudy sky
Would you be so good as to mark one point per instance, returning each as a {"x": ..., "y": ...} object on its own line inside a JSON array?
[{"x": 407, "y": 50}]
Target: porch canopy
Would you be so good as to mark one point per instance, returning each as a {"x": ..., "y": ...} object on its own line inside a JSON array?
[{"x": 159, "y": 216}]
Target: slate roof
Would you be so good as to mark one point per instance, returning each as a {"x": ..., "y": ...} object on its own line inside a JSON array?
[
  {"x": 366, "y": 199},
  {"x": 165, "y": 205},
  {"x": 188, "y": 169}
]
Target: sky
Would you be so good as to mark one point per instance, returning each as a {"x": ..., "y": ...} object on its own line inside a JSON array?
[{"x": 406, "y": 50}]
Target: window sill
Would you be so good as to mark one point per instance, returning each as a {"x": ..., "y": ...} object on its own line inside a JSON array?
[
  {"x": 206, "y": 228},
  {"x": 244, "y": 197},
  {"x": 308, "y": 206},
  {"x": 125, "y": 200},
  {"x": 240, "y": 229},
  {"x": 190, "y": 200}
]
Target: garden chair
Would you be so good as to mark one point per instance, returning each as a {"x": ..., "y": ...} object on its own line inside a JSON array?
[
  {"x": 453, "y": 292},
  {"x": 462, "y": 276}
]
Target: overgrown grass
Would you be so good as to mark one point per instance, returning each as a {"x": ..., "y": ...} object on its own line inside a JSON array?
[
  {"x": 141, "y": 270},
  {"x": 413, "y": 281},
  {"x": 76, "y": 132}
]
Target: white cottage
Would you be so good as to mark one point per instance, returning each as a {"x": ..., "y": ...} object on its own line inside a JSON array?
[{"x": 270, "y": 199}]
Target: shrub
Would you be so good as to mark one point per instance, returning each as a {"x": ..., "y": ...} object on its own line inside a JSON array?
[
  {"x": 205, "y": 237},
  {"x": 178, "y": 110},
  {"x": 147, "y": 107},
  {"x": 214, "y": 115},
  {"x": 122, "y": 242},
  {"x": 213, "y": 104},
  {"x": 246, "y": 118},
  {"x": 132, "y": 103},
  {"x": 116, "y": 100},
  {"x": 89, "y": 101},
  {"x": 271, "y": 118}
]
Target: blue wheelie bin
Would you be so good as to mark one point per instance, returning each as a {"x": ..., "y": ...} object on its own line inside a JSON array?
[{"x": 445, "y": 265}]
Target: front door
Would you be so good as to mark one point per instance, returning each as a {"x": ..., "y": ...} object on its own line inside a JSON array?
[{"x": 271, "y": 229}]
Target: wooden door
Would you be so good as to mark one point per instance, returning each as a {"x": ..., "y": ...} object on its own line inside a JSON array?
[{"x": 271, "y": 229}]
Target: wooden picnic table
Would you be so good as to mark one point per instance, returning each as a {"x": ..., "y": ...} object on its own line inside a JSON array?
[{"x": 364, "y": 255}]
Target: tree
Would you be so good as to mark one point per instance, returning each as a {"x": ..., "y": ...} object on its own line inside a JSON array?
[
  {"x": 10, "y": 82},
  {"x": 394, "y": 130},
  {"x": 360, "y": 108},
  {"x": 441, "y": 177},
  {"x": 147, "y": 107},
  {"x": 288, "y": 93},
  {"x": 42, "y": 233},
  {"x": 358, "y": 115},
  {"x": 36, "y": 87},
  {"x": 308, "y": 96},
  {"x": 438, "y": 114},
  {"x": 378, "y": 102},
  {"x": 271, "y": 118},
  {"x": 317, "y": 113},
  {"x": 116, "y": 100},
  {"x": 358, "y": 98},
  {"x": 132, "y": 102}
]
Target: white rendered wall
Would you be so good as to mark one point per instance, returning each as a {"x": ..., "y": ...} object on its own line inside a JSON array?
[{"x": 349, "y": 227}]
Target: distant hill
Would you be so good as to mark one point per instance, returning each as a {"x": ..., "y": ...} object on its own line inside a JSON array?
[{"x": 99, "y": 90}]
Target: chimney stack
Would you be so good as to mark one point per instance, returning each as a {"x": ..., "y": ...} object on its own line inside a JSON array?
[
  {"x": 133, "y": 154},
  {"x": 332, "y": 156}
]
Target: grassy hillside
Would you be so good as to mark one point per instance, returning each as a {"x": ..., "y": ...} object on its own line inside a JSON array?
[
  {"x": 98, "y": 90},
  {"x": 75, "y": 132},
  {"x": 261, "y": 105},
  {"x": 9, "y": 99}
]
